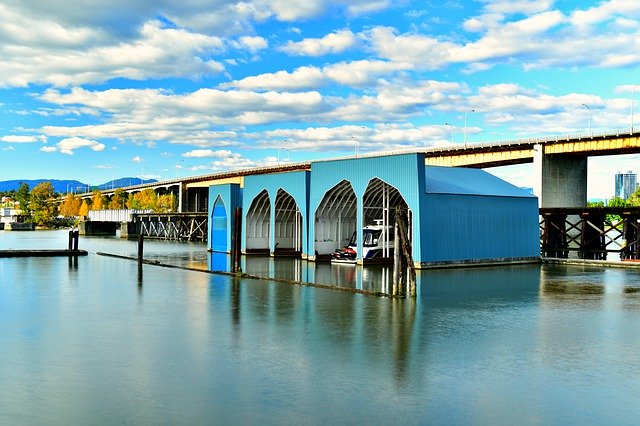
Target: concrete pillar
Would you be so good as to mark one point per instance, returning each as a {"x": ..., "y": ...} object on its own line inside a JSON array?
[{"x": 559, "y": 180}]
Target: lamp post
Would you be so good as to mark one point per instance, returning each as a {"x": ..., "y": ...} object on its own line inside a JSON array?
[
  {"x": 633, "y": 100},
  {"x": 451, "y": 125},
  {"x": 356, "y": 139},
  {"x": 589, "y": 116},
  {"x": 465, "y": 126}
]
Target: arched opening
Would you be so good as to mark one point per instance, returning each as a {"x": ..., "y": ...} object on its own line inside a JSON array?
[
  {"x": 258, "y": 224},
  {"x": 219, "y": 226},
  {"x": 379, "y": 205},
  {"x": 335, "y": 219},
  {"x": 288, "y": 225}
]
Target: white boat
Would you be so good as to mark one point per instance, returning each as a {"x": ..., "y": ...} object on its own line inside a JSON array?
[{"x": 374, "y": 239}]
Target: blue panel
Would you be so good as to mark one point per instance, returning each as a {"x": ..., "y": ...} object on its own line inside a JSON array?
[
  {"x": 219, "y": 227},
  {"x": 470, "y": 228},
  {"x": 229, "y": 196}
]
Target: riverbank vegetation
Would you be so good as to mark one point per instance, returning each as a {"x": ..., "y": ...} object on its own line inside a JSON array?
[{"x": 46, "y": 208}]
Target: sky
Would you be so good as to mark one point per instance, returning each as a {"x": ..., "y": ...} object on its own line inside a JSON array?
[{"x": 96, "y": 90}]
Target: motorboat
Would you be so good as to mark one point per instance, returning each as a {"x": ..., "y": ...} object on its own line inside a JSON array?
[{"x": 374, "y": 240}]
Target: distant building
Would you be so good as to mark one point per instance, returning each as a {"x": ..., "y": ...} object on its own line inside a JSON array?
[{"x": 626, "y": 184}]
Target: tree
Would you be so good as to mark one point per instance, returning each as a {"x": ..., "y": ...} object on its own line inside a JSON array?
[
  {"x": 70, "y": 206},
  {"x": 119, "y": 199},
  {"x": 617, "y": 202},
  {"x": 84, "y": 209},
  {"x": 634, "y": 199},
  {"x": 144, "y": 200},
  {"x": 42, "y": 204},
  {"x": 166, "y": 203},
  {"x": 98, "y": 202},
  {"x": 23, "y": 196}
]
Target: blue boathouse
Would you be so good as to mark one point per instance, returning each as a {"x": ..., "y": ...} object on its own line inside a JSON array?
[{"x": 455, "y": 216}]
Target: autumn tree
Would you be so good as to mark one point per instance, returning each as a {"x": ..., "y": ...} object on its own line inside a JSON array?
[
  {"x": 144, "y": 200},
  {"x": 98, "y": 201},
  {"x": 166, "y": 203},
  {"x": 42, "y": 204},
  {"x": 70, "y": 206},
  {"x": 119, "y": 199},
  {"x": 84, "y": 209}
]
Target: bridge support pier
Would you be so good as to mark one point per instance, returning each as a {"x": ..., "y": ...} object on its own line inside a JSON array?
[
  {"x": 97, "y": 228},
  {"x": 129, "y": 230},
  {"x": 559, "y": 181}
]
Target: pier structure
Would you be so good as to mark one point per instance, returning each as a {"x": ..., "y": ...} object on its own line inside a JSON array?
[{"x": 455, "y": 216}]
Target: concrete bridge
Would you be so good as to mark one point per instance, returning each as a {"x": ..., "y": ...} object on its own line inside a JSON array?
[{"x": 560, "y": 164}]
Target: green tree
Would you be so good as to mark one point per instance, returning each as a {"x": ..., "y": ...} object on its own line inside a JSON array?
[
  {"x": 43, "y": 205},
  {"x": 23, "y": 196},
  {"x": 617, "y": 202},
  {"x": 634, "y": 199}
]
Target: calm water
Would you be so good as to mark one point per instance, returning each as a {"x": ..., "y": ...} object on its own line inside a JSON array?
[{"x": 95, "y": 343}]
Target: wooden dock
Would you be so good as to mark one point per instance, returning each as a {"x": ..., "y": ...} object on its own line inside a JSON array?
[{"x": 42, "y": 253}]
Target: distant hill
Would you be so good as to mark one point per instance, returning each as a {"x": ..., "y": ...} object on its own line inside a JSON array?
[
  {"x": 125, "y": 181},
  {"x": 62, "y": 186},
  {"x": 58, "y": 185}
]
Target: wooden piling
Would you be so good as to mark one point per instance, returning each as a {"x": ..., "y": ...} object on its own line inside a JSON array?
[
  {"x": 140, "y": 248},
  {"x": 397, "y": 261},
  {"x": 236, "y": 236}
]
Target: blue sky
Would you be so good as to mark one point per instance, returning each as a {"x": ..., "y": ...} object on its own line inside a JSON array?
[{"x": 160, "y": 89}]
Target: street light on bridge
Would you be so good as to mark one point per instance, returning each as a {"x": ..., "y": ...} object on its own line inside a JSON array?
[
  {"x": 451, "y": 125},
  {"x": 465, "y": 126},
  {"x": 589, "y": 115}
]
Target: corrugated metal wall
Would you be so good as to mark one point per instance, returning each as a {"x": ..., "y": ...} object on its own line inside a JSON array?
[{"x": 475, "y": 227}]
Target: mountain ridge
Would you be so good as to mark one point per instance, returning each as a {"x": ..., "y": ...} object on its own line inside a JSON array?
[{"x": 70, "y": 185}]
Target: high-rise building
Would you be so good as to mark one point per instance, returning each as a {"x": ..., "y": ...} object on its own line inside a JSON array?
[{"x": 626, "y": 184}]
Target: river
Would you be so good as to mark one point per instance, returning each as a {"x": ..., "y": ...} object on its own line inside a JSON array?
[{"x": 95, "y": 342}]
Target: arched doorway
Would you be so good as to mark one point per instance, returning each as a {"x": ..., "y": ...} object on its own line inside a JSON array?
[
  {"x": 258, "y": 224},
  {"x": 335, "y": 219},
  {"x": 379, "y": 204},
  {"x": 288, "y": 224},
  {"x": 219, "y": 226}
]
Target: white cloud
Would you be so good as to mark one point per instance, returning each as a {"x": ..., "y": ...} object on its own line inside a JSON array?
[
  {"x": 49, "y": 149},
  {"x": 201, "y": 153},
  {"x": 68, "y": 145},
  {"x": 301, "y": 78},
  {"x": 604, "y": 11},
  {"x": 336, "y": 42},
  {"x": 253, "y": 44},
  {"x": 19, "y": 139},
  {"x": 156, "y": 52},
  {"x": 137, "y": 159}
]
